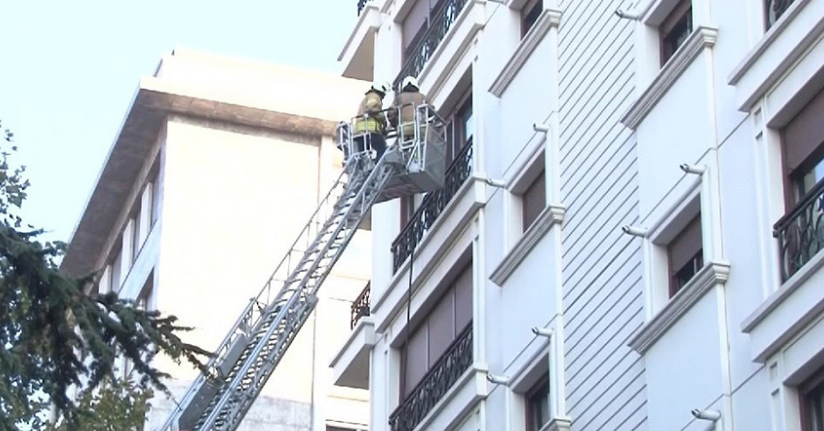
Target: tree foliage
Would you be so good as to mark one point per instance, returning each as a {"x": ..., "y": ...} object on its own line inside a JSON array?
[{"x": 54, "y": 337}]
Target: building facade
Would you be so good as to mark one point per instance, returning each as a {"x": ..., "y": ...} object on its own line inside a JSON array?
[
  {"x": 217, "y": 166},
  {"x": 630, "y": 230}
]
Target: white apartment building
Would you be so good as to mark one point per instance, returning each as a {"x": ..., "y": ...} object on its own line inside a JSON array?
[
  {"x": 218, "y": 164},
  {"x": 630, "y": 230}
]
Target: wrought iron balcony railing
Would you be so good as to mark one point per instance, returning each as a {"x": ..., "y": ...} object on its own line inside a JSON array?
[
  {"x": 435, "y": 384},
  {"x": 425, "y": 43},
  {"x": 360, "y": 306},
  {"x": 431, "y": 207},
  {"x": 776, "y": 8},
  {"x": 800, "y": 232},
  {"x": 361, "y": 5}
]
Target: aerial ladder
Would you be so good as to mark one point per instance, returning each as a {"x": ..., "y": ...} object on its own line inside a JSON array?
[{"x": 220, "y": 397}]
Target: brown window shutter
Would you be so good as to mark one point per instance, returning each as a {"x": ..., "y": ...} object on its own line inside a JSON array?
[
  {"x": 416, "y": 359},
  {"x": 463, "y": 299},
  {"x": 534, "y": 200},
  {"x": 415, "y": 21},
  {"x": 686, "y": 245},
  {"x": 804, "y": 133},
  {"x": 441, "y": 326}
]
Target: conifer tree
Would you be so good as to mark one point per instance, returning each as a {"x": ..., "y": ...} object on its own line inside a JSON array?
[{"x": 54, "y": 336}]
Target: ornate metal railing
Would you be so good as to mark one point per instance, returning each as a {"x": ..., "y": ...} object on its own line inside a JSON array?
[
  {"x": 776, "y": 8},
  {"x": 360, "y": 306},
  {"x": 434, "y": 385},
  {"x": 361, "y": 5},
  {"x": 431, "y": 207},
  {"x": 800, "y": 232},
  {"x": 425, "y": 43}
]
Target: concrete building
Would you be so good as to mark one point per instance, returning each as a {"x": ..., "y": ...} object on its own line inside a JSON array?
[
  {"x": 630, "y": 234},
  {"x": 217, "y": 166}
]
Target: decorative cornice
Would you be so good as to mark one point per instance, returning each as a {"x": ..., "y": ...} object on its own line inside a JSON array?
[
  {"x": 551, "y": 215},
  {"x": 712, "y": 274},
  {"x": 549, "y": 18},
  {"x": 702, "y": 37},
  {"x": 558, "y": 424}
]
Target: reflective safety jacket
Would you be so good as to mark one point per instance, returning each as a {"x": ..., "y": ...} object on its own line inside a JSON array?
[{"x": 370, "y": 115}]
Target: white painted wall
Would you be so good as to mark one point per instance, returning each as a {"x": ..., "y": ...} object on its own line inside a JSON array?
[{"x": 583, "y": 77}]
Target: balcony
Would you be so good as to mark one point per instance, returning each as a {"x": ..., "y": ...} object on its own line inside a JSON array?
[
  {"x": 426, "y": 42},
  {"x": 774, "y": 9},
  {"x": 360, "y": 306},
  {"x": 431, "y": 208},
  {"x": 358, "y": 54},
  {"x": 800, "y": 233},
  {"x": 435, "y": 384}
]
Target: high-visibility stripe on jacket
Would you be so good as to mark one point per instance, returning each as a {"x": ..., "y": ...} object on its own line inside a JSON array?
[{"x": 370, "y": 115}]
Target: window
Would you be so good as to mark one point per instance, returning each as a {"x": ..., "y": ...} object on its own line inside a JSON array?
[
  {"x": 460, "y": 129},
  {"x": 450, "y": 315},
  {"x": 812, "y": 403},
  {"x": 537, "y": 405},
  {"x": 534, "y": 199},
  {"x": 529, "y": 15},
  {"x": 799, "y": 231},
  {"x": 802, "y": 140},
  {"x": 686, "y": 256},
  {"x": 155, "y": 199},
  {"x": 136, "y": 242},
  {"x": 117, "y": 263},
  {"x": 675, "y": 29}
]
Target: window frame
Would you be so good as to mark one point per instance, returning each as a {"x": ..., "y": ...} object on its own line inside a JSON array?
[
  {"x": 529, "y": 15},
  {"x": 669, "y": 29},
  {"x": 457, "y": 117},
  {"x": 540, "y": 391},
  {"x": 810, "y": 393},
  {"x": 696, "y": 261}
]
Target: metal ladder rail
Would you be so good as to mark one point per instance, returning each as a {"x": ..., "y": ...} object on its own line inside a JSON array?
[
  {"x": 260, "y": 332},
  {"x": 251, "y": 315},
  {"x": 255, "y": 376},
  {"x": 272, "y": 315}
]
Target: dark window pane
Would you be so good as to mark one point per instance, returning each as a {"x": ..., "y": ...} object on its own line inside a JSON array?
[
  {"x": 537, "y": 406},
  {"x": 675, "y": 30},
  {"x": 532, "y": 10},
  {"x": 534, "y": 200}
]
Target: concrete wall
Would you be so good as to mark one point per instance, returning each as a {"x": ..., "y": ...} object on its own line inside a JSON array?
[{"x": 233, "y": 201}]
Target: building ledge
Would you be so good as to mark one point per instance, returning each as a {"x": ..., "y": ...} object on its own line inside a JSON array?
[
  {"x": 350, "y": 366},
  {"x": 798, "y": 302},
  {"x": 712, "y": 274},
  {"x": 548, "y": 19},
  {"x": 777, "y": 52},
  {"x": 702, "y": 37},
  {"x": 558, "y": 424},
  {"x": 550, "y": 216},
  {"x": 357, "y": 55}
]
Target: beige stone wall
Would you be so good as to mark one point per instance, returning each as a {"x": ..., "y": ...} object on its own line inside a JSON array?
[{"x": 233, "y": 200}]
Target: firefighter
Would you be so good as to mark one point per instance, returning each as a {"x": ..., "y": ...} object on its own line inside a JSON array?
[
  {"x": 370, "y": 125},
  {"x": 404, "y": 105}
]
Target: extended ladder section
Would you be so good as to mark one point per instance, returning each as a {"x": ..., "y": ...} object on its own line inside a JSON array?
[{"x": 250, "y": 352}]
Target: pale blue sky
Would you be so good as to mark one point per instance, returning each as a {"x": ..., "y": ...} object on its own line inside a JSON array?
[{"x": 68, "y": 71}]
